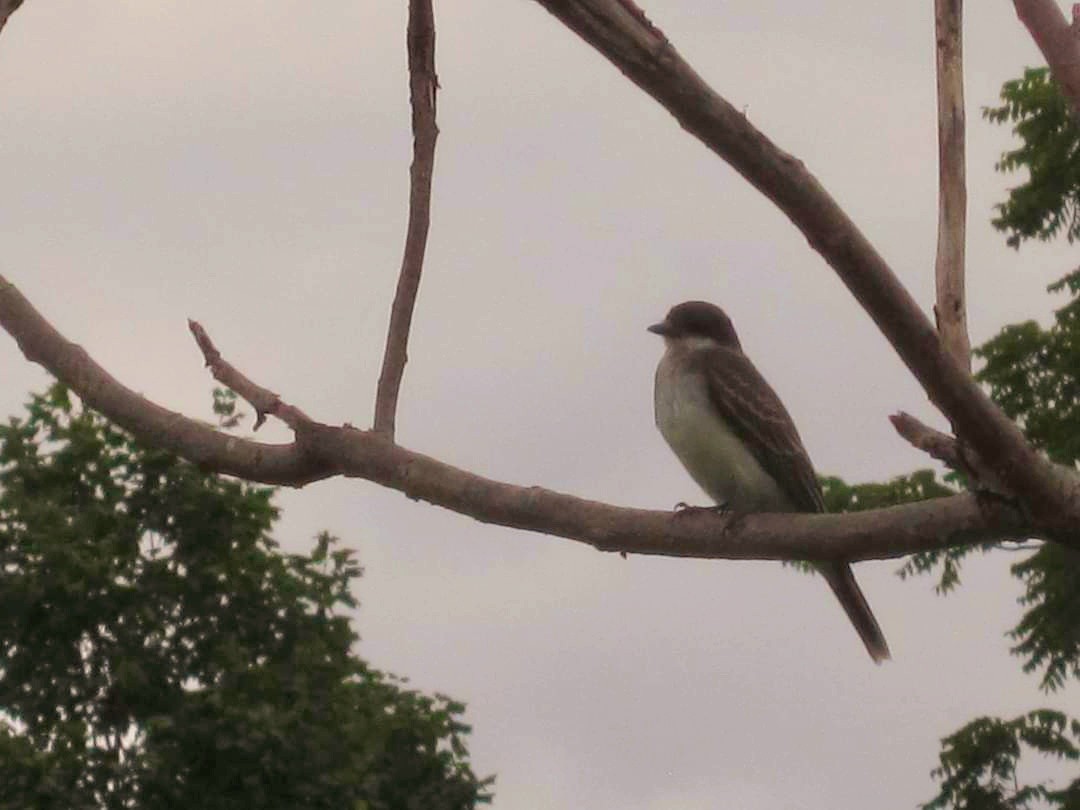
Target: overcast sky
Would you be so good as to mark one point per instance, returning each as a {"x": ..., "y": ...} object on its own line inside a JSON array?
[{"x": 246, "y": 164}]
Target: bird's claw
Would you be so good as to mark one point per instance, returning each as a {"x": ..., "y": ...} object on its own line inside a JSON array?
[{"x": 683, "y": 508}]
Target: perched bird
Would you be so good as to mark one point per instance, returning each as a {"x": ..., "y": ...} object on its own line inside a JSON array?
[{"x": 733, "y": 435}]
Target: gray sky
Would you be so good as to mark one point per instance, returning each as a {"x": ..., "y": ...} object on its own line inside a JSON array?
[{"x": 246, "y": 164}]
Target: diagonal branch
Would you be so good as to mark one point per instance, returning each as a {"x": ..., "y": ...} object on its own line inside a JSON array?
[
  {"x": 265, "y": 402},
  {"x": 321, "y": 451},
  {"x": 423, "y": 84},
  {"x": 1058, "y": 41},
  {"x": 618, "y": 31},
  {"x": 951, "y": 310},
  {"x": 948, "y": 451}
]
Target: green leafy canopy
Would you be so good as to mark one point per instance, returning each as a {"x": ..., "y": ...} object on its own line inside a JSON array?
[
  {"x": 1048, "y": 203},
  {"x": 158, "y": 650}
]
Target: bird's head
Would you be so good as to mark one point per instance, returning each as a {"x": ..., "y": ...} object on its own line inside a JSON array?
[{"x": 697, "y": 322}]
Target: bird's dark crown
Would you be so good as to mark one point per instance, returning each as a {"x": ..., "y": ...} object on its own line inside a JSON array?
[{"x": 698, "y": 319}]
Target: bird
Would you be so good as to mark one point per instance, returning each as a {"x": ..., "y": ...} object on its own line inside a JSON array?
[{"x": 734, "y": 436}]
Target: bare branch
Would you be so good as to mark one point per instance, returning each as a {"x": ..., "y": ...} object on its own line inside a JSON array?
[
  {"x": 645, "y": 56},
  {"x": 948, "y": 451},
  {"x": 199, "y": 443},
  {"x": 878, "y": 534},
  {"x": 951, "y": 309},
  {"x": 7, "y": 8},
  {"x": 423, "y": 85},
  {"x": 934, "y": 443},
  {"x": 323, "y": 450},
  {"x": 1058, "y": 42},
  {"x": 261, "y": 399}
]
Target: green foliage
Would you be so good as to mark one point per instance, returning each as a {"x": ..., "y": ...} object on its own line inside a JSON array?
[
  {"x": 920, "y": 485},
  {"x": 840, "y": 496},
  {"x": 157, "y": 650},
  {"x": 1049, "y": 202},
  {"x": 978, "y": 763},
  {"x": 1048, "y": 633},
  {"x": 1034, "y": 376},
  {"x": 225, "y": 408}
]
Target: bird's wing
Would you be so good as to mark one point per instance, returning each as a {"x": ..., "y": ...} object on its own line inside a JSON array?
[{"x": 759, "y": 418}]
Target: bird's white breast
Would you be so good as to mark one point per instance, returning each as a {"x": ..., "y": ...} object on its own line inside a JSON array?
[{"x": 713, "y": 455}]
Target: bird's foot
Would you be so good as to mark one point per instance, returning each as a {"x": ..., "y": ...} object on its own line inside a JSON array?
[
  {"x": 683, "y": 508},
  {"x": 731, "y": 519}
]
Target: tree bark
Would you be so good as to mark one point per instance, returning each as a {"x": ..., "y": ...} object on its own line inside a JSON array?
[{"x": 951, "y": 308}]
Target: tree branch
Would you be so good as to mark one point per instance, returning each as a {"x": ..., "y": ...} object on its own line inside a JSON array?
[
  {"x": 322, "y": 450},
  {"x": 951, "y": 309},
  {"x": 265, "y": 402},
  {"x": 948, "y": 451},
  {"x": 1058, "y": 42},
  {"x": 199, "y": 443},
  {"x": 619, "y": 31},
  {"x": 423, "y": 85}
]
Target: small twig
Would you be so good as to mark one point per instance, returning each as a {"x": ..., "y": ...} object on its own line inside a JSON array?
[
  {"x": 423, "y": 85},
  {"x": 1058, "y": 42},
  {"x": 923, "y": 437},
  {"x": 261, "y": 399},
  {"x": 949, "y": 451},
  {"x": 951, "y": 310}
]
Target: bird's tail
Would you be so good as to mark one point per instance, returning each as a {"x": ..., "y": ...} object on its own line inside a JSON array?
[{"x": 843, "y": 584}]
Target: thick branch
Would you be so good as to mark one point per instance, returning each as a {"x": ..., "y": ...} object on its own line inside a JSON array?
[
  {"x": 951, "y": 309},
  {"x": 323, "y": 450},
  {"x": 879, "y": 534},
  {"x": 1058, "y": 42},
  {"x": 618, "y": 30},
  {"x": 423, "y": 84}
]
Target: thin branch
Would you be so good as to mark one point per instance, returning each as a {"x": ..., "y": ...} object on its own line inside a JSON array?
[
  {"x": 423, "y": 85},
  {"x": 264, "y": 401},
  {"x": 1058, "y": 42},
  {"x": 322, "y": 450},
  {"x": 7, "y": 8},
  {"x": 951, "y": 309},
  {"x": 646, "y": 57},
  {"x": 199, "y": 443}
]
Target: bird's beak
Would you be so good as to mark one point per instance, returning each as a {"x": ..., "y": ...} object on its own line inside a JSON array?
[{"x": 661, "y": 328}]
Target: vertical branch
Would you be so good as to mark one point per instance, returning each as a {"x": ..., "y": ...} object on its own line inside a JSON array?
[
  {"x": 951, "y": 309},
  {"x": 423, "y": 84},
  {"x": 1057, "y": 40}
]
